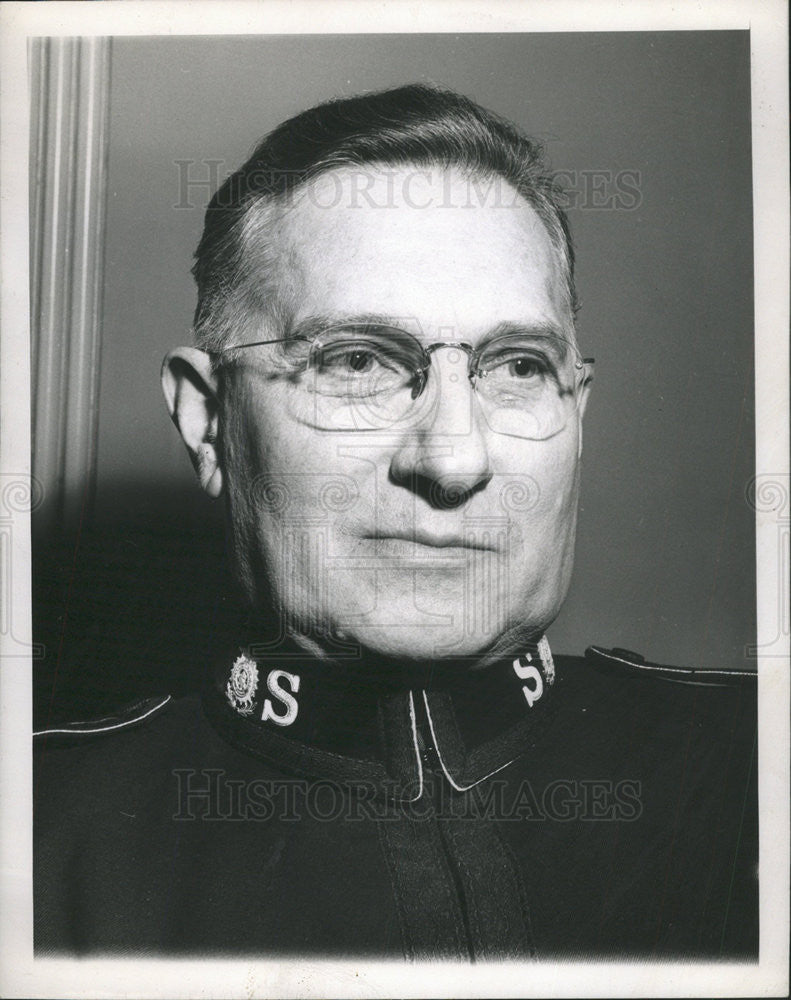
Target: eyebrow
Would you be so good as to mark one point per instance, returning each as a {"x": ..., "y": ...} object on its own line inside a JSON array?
[
  {"x": 312, "y": 325},
  {"x": 549, "y": 330}
]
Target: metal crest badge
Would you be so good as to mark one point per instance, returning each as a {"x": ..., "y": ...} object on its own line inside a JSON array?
[
  {"x": 546, "y": 659},
  {"x": 242, "y": 685}
]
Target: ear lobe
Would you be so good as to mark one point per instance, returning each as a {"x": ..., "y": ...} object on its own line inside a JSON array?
[{"x": 190, "y": 388}]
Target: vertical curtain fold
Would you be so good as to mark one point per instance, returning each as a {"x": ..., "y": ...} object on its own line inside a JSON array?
[{"x": 70, "y": 91}]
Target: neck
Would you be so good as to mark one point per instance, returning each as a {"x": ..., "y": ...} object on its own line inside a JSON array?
[{"x": 345, "y": 657}]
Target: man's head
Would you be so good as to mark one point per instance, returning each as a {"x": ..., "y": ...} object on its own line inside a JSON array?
[{"x": 409, "y": 219}]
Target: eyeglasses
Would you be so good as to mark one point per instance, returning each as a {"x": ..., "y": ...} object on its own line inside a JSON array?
[{"x": 365, "y": 377}]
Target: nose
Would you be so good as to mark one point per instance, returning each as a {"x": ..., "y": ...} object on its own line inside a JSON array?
[{"x": 445, "y": 458}]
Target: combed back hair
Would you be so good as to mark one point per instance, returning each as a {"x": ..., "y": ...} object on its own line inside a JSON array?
[{"x": 416, "y": 125}]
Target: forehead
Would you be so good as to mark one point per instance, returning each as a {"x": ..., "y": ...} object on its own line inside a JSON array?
[{"x": 427, "y": 244}]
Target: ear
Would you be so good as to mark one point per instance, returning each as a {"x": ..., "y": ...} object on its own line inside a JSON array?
[{"x": 190, "y": 388}]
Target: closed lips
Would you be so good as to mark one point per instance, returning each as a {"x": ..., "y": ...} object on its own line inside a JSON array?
[{"x": 434, "y": 539}]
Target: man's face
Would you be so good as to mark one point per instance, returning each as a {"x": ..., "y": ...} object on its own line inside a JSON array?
[{"x": 440, "y": 539}]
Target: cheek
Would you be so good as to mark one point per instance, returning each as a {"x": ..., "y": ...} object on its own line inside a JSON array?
[
  {"x": 261, "y": 444},
  {"x": 286, "y": 479},
  {"x": 544, "y": 502},
  {"x": 258, "y": 492}
]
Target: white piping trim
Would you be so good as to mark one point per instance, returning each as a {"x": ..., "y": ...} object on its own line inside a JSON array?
[
  {"x": 413, "y": 721},
  {"x": 103, "y": 729},
  {"x": 673, "y": 670},
  {"x": 459, "y": 788}
]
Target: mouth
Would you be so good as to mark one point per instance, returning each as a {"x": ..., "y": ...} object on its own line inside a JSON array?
[{"x": 432, "y": 540}]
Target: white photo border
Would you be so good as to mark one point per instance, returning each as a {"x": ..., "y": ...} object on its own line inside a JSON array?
[{"x": 23, "y": 975}]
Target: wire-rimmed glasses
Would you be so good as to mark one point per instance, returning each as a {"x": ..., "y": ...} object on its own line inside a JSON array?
[{"x": 364, "y": 377}]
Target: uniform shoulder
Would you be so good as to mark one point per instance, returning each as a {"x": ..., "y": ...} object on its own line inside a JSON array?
[
  {"x": 626, "y": 663},
  {"x": 146, "y": 729},
  {"x": 129, "y": 716},
  {"x": 671, "y": 702},
  {"x": 106, "y": 757}
]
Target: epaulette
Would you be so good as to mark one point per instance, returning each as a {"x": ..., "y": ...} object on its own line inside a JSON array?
[
  {"x": 624, "y": 661},
  {"x": 124, "y": 718}
]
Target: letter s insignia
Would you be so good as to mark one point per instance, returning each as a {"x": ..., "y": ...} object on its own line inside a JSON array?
[
  {"x": 527, "y": 672},
  {"x": 285, "y": 698}
]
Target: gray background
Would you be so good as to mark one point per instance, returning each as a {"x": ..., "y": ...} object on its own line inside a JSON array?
[{"x": 665, "y": 557}]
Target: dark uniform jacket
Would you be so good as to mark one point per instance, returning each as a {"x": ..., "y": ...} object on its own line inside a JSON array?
[{"x": 600, "y": 806}]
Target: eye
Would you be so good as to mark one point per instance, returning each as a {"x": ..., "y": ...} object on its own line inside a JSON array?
[
  {"x": 377, "y": 365},
  {"x": 347, "y": 359},
  {"x": 517, "y": 365},
  {"x": 360, "y": 361},
  {"x": 525, "y": 367}
]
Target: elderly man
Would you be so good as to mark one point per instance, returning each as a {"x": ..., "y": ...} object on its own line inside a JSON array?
[{"x": 387, "y": 392}]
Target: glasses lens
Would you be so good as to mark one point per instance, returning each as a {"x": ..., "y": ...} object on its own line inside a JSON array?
[
  {"x": 361, "y": 379},
  {"x": 528, "y": 386},
  {"x": 372, "y": 378}
]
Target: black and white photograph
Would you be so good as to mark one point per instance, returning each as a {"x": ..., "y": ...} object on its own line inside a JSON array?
[{"x": 396, "y": 510}]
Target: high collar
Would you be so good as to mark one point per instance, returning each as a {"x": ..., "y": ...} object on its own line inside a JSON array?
[{"x": 369, "y": 721}]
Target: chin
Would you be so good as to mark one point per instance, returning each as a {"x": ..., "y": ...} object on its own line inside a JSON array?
[
  {"x": 417, "y": 643},
  {"x": 418, "y": 640}
]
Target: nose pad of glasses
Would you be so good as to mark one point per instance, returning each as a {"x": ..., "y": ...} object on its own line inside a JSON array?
[{"x": 419, "y": 382}]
